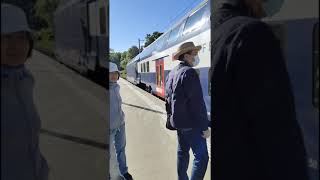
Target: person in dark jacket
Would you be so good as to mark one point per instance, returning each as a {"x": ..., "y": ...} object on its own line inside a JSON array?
[
  {"x": 255, "y": 135},
  {"x": 187, "y": 112}
]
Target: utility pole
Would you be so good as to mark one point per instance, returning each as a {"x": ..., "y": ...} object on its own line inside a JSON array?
[{"x": 139, "y": 40}]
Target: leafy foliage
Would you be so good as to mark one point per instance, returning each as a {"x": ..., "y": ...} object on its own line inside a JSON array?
[
  {"x": 115, "y": 57},
  {"x": 44, "y": 11},
  {"x": 151, "y": 38},
  {"x": 132, "y": 52}
]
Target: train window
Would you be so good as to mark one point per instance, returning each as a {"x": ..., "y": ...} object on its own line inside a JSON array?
[
  {"x": 158, "y": 43},
  {"x": 148, "y": 51},
  {"x": 145, "y": 67},
  {"x": 195, "y": 21},
  {"x": 145, "y": 53},
  {"x": 148, "y": 66},
  {"x": 162, "y": 42},
  {"x": 103, "y": 21},
  {"x": 142, "y": 54},
  {"x": 174, "y": 35},
  {"x": 152, "y": 49},
  {"x": 316, "y": 66}
]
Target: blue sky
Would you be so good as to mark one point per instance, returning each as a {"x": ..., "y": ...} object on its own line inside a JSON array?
[{"x": 133, "y": 19}]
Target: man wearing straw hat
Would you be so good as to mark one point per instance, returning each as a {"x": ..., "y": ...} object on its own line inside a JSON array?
[
  {"x": 21, "y": 158},
  {"x": 186, "y": 112}
]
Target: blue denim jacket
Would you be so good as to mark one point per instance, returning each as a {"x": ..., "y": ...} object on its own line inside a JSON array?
[
  {"x": 20, "y": 125},
  {"x": 116, "y": 113}
]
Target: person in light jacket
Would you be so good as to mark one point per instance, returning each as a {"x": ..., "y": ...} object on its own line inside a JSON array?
[
  {"x": 117, "y": 125},
  {"x": 20, "y": 123}
]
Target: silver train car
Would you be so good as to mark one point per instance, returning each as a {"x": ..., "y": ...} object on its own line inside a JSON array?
[{"x": 81, "y": 35}]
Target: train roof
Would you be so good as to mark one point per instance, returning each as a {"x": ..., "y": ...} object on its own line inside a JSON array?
[{"x": 188, "y": 14}]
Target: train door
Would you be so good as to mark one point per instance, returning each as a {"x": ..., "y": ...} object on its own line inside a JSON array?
[
  {"x": 136, "y": 74},
  {"x": 160, "y": 78}
]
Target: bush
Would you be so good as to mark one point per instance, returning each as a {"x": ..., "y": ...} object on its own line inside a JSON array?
[
  {"x": 44, "y": 41},
  {"x": 123, "y": 74}
]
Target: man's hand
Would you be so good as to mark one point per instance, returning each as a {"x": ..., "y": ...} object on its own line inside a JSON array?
[{"x": 206, "y": 134}]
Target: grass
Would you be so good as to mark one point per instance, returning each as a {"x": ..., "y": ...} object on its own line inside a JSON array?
[
  {"x": 44, "y": 42},
  {"x": 123, "y": 74},
  {"x": 45, "y": 47}
]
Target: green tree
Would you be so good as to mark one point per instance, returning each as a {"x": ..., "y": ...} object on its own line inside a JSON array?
[
  {"x": 123, "y": 56},
  {"x": 115, "y": 58},
  {"x": 43, "y": 25},
  {"x": 44, "y": 10},
  {"x": 151, "y": 38},
  {"x": 132, "y": 52},
  {"x": 123, "y": 60},
  {"x": 123, "y": 64},
  {"x": 126, "y": 56},
  {"x": 118, "y": 55}
]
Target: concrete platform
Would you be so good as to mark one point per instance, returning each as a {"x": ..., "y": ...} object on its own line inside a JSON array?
[{"x": 151, "y": 148}]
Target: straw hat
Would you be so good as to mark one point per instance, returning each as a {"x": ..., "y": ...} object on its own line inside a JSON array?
[{"x": 185, "y": 47}]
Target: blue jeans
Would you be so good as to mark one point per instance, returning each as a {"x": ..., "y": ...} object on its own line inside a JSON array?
[
  {"x": 118, "y": 144},
  {"x": 192, "y": 139}
]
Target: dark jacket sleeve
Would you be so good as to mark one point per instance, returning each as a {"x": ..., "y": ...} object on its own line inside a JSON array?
[
  {"x": 167, "y": 97},
  {"x": 267, "y": 99},
  {"x": 193, "y": 91}
]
